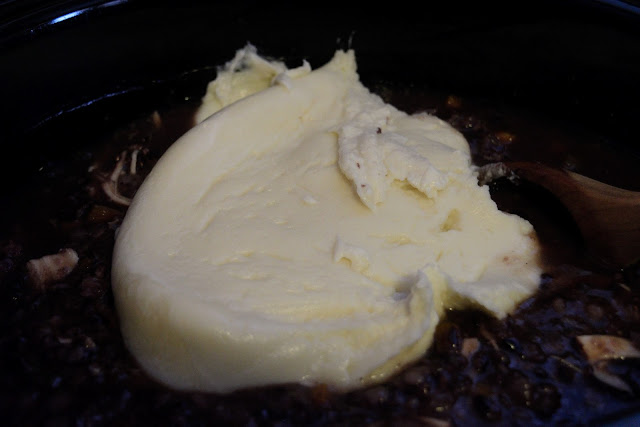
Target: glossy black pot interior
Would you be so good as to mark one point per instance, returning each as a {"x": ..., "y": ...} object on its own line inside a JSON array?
[
  {"x": 577, "y": 61},
  {"x": 75, "y": 62}
]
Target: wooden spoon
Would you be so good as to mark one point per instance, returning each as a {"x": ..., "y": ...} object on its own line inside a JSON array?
[{"x": 608, "y": 217}]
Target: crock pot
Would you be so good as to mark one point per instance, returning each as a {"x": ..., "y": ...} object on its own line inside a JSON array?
[{"x": 72, "y": 71}]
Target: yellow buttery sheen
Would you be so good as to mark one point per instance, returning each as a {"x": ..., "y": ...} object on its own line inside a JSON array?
[{"x": 308, "y": 232}]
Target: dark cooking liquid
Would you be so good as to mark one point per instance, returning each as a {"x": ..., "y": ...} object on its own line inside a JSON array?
[{"x": 63, "y": 361}]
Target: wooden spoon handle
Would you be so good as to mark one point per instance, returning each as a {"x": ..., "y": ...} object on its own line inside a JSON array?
[{"x": 608, "y": 217}]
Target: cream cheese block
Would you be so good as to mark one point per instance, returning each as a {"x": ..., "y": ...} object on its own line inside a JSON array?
[{"x": 307, "y": 232}]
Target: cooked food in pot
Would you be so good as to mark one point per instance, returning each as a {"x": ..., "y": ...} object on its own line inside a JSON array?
[
  {"x": 309, "y": 233},
  {"x": 567, "y": 354}
]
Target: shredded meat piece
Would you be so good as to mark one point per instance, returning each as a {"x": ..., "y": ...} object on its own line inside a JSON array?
[
  {"x": 50, "y": 268},
  {"x": 110, "y": 182},
  {"x": 470, "y": 346},
  {"x": 110, "y": 186},
  {"x": 600, "y": 347}
]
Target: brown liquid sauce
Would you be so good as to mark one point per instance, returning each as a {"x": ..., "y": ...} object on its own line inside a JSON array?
[{"x": 63, "y": 360}]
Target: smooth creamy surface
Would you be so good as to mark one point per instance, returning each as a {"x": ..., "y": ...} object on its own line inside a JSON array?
[{"x": 308, "y": 233}]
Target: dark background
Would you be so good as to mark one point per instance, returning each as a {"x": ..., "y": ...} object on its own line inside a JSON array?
[{"x": 574, "y": 60}]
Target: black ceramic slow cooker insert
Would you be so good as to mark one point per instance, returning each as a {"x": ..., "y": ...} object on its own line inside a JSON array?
[{"x": 83, "y": 80}]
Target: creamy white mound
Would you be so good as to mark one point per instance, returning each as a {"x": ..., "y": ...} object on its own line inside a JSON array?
[{"x": 308, "y": 233}]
